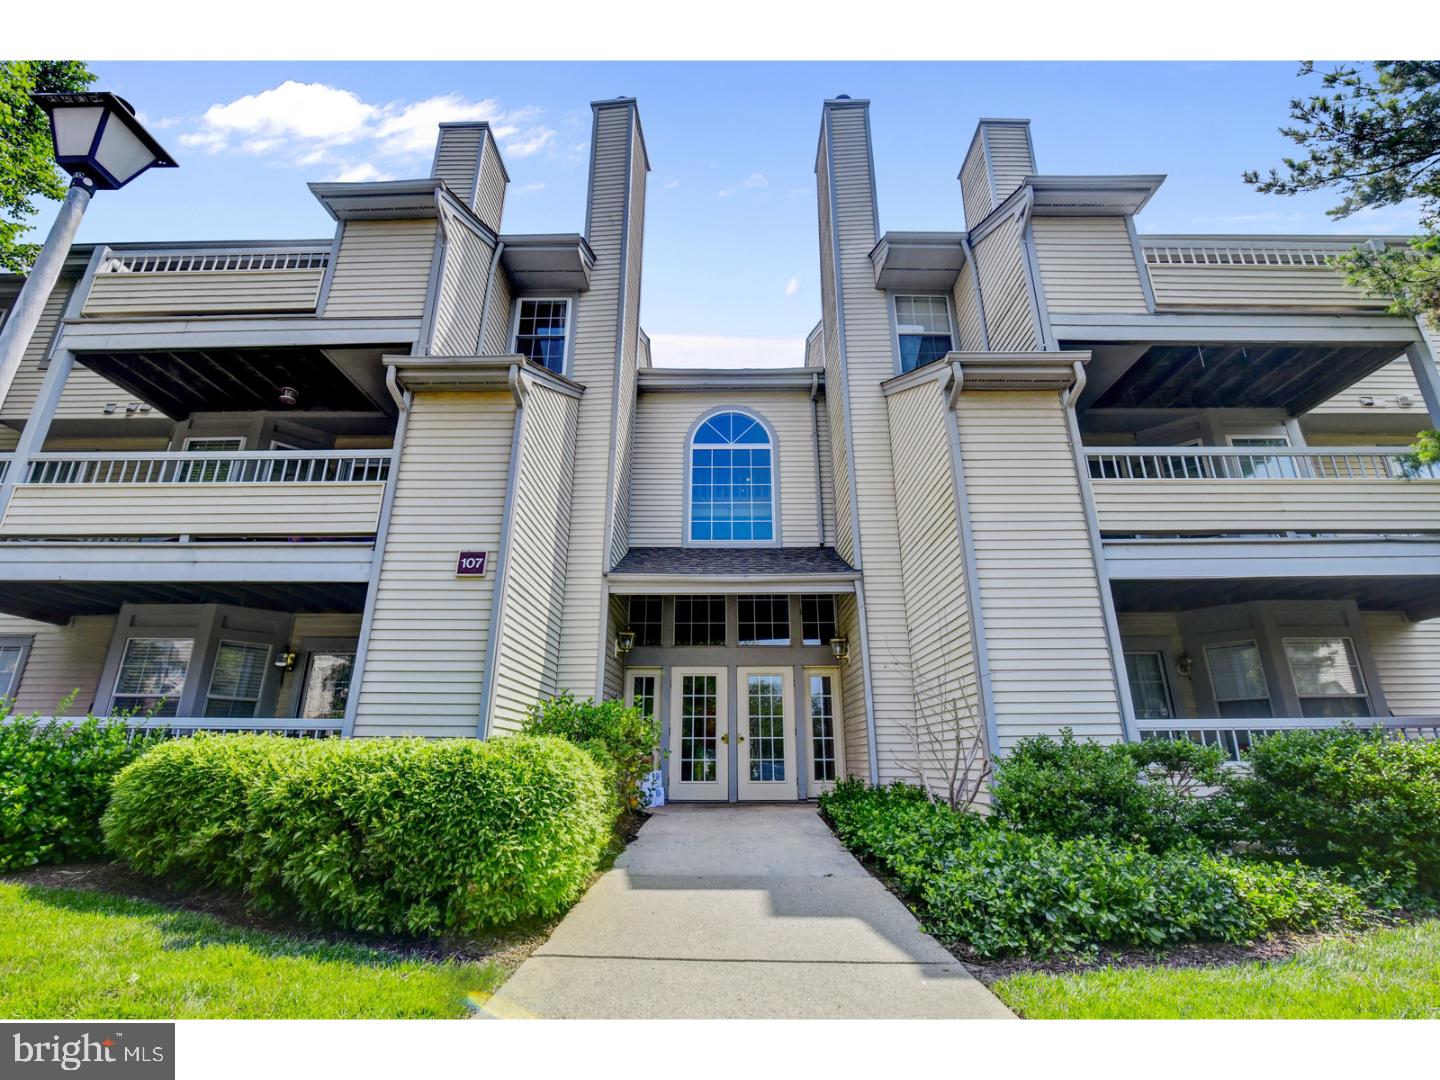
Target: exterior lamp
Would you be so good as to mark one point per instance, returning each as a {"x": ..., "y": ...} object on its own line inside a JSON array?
[
  {"x": 624, "y": 642},
  {"x": 101, "y": 144},
  {"x": 840, "y": 647}
]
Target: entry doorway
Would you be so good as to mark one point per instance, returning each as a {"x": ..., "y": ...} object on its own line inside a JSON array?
[
  {"x": 766, "y": 740},
  {"x": 699, "y": 739}
]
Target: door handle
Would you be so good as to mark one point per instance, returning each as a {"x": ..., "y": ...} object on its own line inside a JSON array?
[
  {"x": 739, "y": 738},
  {"x": 725, "y": 740}
]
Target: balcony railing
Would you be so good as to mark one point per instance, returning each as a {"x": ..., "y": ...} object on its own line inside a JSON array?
[
  {"x": 181, "y": 727},
  {"x": 1230, "y": 463},
  {"x": 239, "y": 467},
  {"x": 4, "y": 466},
  {"x": 1237, "y": 736},
  {"x": 190, "y": 262},
  {"x": 226, "y": 279},
  {"x": 1237, "y": 251}
]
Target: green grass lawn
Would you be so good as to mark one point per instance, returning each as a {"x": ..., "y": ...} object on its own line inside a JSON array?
[
  {"x": 77, "y": 953},
  {"x": 1392, "y": 974}
]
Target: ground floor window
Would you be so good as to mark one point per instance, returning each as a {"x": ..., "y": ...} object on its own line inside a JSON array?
[
  {"x": 152, "y": 675},
  {"x": 1238, "y": 679},
  {"x": 236, "y": 679},
  {"x": 1149, "y": 686},
  {"x": 327, "y": 685},
  {"x": 822, "y": 727},
  {"x": 1327, "y": 676},
  {"x": 11, "y": 657}
]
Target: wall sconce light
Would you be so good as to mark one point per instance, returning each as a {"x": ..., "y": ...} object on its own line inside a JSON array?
[
  {"x": 1404, "y": 400},
  {"x": 841, "y": 648},
  {"x": 624, "y": 642},
  {"x": 285, "y": 661},
  {"x": 1185, "y": 664},
  {"x": 1367, "y": 401}
]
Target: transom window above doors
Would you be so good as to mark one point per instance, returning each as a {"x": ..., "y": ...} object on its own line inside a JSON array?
[
  {"x": 646, "y": 616},
  {"x": 541, "y": 331},
  {"x": 922, "y": 325},
  {"x": 817, "y": 619},
  {"x": 732, "y": 481},
  {"x": 700, "y": 620},
  {"x": 764, "y": 620}
]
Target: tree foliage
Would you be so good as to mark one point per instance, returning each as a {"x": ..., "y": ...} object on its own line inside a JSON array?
[
  {"x": 27, "y": 164},
  {"x": 1375, "y": 138}
]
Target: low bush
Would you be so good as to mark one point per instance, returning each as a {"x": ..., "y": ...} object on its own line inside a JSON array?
[
  {"x": 1355, "y": 800},
  {"x": 1004, "y": 891},
  {"x": 375, "y": 835},
  {"x": 54, "y": 783},
  {"x": 622, "y": 739}
]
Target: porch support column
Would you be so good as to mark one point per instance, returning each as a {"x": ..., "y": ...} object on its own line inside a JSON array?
[
  {"x": 37, "y": 424},
  {"x": 1422, "y": 362}
]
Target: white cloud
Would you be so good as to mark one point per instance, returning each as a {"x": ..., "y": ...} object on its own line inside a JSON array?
[
  {"x": 529, "y": 144},
  {"x": 411, "y": 129},
  {"x": 792, "y": 286},
  {"x": 670, "y": 185},
  {"x": 310, "y": 112},
  {"x": 357, "y": 174},
  {"x": 716, "y": 351},
  {"x": 754, "y": 180},
  {"x": 526, "y": 189}
]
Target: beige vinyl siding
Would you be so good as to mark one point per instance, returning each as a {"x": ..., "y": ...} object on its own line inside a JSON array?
[
  {"x": 304, "y": 629},
  {"x": 625, "y": 390},
  {"x": 457, "y": 158},
  {"x": 527, "y": 657},
  {"x": 1045, "y": 631},
  {"x": 9, "y": 439},
  {"x": 349, "y": 509},
  {"x": 1000, "y": 263},
  {"x": 1010, "y": 162},
  {"x": 500, "y": 315},
  {"x": 1405, "y": 656},
  {"x": 1088, "y": 265},
  {"x": 836, "y": 397},
  {"x": 852, "y": 689},
  {"x": 815, "y": 349},
  {"x": 827, "y": 470},
  {"x": 593, "y": 365},
  {"x": 975, "y": 185},
  {"x": 664, "y": 422},
  {"x": 458, "y": 304},
  {"x": 612, "y": 687},
  {"x": 490, "y": 191},
  {"x": 203, "y": 292},
  {"x": 1309, "y": 288},
  {"x": 430, "y": 629},
  {"x": 383, "y": 269},
  {"x": 1209, "y": 506},
  {"x": 62, "y": 659},
  {"x": 968, "y": 331},
  {"x": 1394, "y": 379},
  {"x": 1160, "y": 625},
  {"x": 870, "y": 360},
  {"x": 932, "y": 564}
]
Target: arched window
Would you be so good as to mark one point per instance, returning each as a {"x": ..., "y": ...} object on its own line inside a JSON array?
[{"x": 732, "y": 481}]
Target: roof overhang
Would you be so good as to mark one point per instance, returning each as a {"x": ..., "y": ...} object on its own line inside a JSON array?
[
  {"x": 475, "y": 373},
  {"x": 729, "y": 584},
  {"x": 561, "y": 262},
  {"x": 380, "y": 200},
  {"x": 996, "y": 371},
  {"x": 737, "y": 380},
  {"x": 1091, "y": 196},
  {"x": 731, "y": 569},
  {"x": 928, "y": 261}
]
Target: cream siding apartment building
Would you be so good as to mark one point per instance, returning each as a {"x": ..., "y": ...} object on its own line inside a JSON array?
[{"x": 1041, "y": 471}]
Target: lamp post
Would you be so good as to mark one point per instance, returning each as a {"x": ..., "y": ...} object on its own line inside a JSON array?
[{"x": 103, "y": 147}]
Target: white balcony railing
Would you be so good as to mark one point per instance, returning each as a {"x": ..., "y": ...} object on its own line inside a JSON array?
[
  {"x": 226, "y": 259},
  {"x": 182, "y": 726},
  {"x": 227, "y": 279},
  {"x": 1231, "y": 463},
  {"x": 1222, "y": 251},
  {"x": 4, "y": 466},
  {"x": 239, "y": 467},
  {"x": 1237, "y": 736}
]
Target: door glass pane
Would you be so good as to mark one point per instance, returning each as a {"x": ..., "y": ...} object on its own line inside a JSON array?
[
  {"x": 1327, "y": 676},
  {"x": 152, "y": 670},
  {"x": 822, "y": 727},
  {"x": 236, "y": 680},
  {"x": 327, "y": 686},
  {"x": 1149, "y": 689},
  {"x": 699, "y": 728},
  {"x": 642, "y": 694},
  {"x": 767, "y": 727}
]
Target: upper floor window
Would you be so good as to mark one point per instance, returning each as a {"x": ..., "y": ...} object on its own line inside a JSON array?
[
  {"x": 922, "y": 324},
  {"x": 540, "y": 331},
  {"x": 732, "y": 491}
]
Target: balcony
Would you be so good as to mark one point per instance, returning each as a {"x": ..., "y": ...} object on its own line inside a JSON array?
[
  {"x": 249, "y": 495},
  {"x": 1200, "y": 490},
  {"x": 224, "y": 280},
  {"x": 1234, "y": 737}
]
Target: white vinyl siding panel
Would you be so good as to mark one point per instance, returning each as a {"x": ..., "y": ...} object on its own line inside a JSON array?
[
  {"x": 975, "y": 186},
  {"x": 1308, "y": 288},
  {"x": 967, "y": 312},
  {"x": 203, "y": 292},
  {"x": 62, "y": 660},
  {"x": 1045, "y": 629},
  {"x": 430, "y": 629},
  {"x": 1088, "y": 265},
  {"x": 932, "y": 563},
  {"x": 279, "y": 509},
  {"x": 383, "y": 269},
  {"x": 661, "y": 459},
  {"x": 490, "y": 192},
  {"x": 835, "y": 397},
  {"x": 625, "y": 390},
  {"x": 1010, "y": 161},
  {"x": 852, "y": 689},
  {"x": 457, "y": 159},
  {"x": 1210, "y": 506},
  {"x": 527, "y": 658},
  {"x": 1405, "y": 657},
  {"x": 498, "y": 318},
  {"x": 1384, "y": 386},
  {"x": 827, "y": 470},
  {"x": 1009, "y": 317},
  {"x": 462, "y": 291}
]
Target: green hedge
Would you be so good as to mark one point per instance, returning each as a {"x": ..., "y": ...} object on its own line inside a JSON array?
[
  {"x": 54, "y": 783},
  {"x": 622, "y": 739},
  {"x": 1005, "y": 892},
  {"x": 375, "y": 835}
]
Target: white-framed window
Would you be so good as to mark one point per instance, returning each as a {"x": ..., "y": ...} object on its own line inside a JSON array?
[
  {"x": 1327, "y": 676},
  {"x": 1237, "y": 678},
  {"x": 210, "y": 472},
  {"x": 236, "y": 678},
  {"x": 817, "y": 619},
  {"x": 12, "y": 663},
  {"x": 1260, "y": 466},
  {"x": 152, "y": 675},
  {"x": 1149, "y": 686},
  {"x": 326, "y": 689},
  {"x": 922, "y": 325},
  {"x": 732, "y": 481},
  {"x": 764, "y": 620},
  {"x": 542, "y": 329}
]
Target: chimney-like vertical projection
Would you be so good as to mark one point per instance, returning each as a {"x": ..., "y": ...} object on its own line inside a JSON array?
[
  {"x": 468, "y": 160},
  {"x": 1000, "y": 156}
]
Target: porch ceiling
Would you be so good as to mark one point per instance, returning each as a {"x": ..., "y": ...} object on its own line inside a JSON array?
[
  {"x": 183, "y": 381},
  {"x": 1289, "y": 376},
  {"x": 55, "y": 602},
  {"x": 1417, "y": 597}
]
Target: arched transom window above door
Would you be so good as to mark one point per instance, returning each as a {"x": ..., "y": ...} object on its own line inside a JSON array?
[{"x": 732, "y": 481}]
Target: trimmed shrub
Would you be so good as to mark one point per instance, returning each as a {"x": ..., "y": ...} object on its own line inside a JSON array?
[
  {"x": 1006, "y": 892},
  {"x": 1355, "y": 800},
  {"x": 376, "y": 835},
  {"x": 623, "y": 740},
  {"x": 54, "y": 783}
]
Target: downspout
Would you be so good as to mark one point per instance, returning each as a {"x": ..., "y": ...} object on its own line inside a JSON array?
[
  {"x": 979, "y": 294},
  {"x": 1069, "y": 398},
  {"x": 815, "y": 436},
  {"x": 485, "y": 299}
]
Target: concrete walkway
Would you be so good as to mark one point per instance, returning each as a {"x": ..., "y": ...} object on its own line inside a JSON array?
[{"x": 740, "y": 912}]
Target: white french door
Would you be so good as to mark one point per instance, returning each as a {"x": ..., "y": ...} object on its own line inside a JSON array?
[
  {"x": 766, "y": 732},
  {"x": 824, "y": 727},
  {"x": 699, "y": 745}
]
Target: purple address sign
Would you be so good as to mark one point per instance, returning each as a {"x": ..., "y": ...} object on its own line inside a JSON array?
[{"x": 471, "y": 564}]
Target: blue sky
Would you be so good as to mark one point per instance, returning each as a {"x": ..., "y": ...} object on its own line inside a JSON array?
[{"x": 730, "y": 232}]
